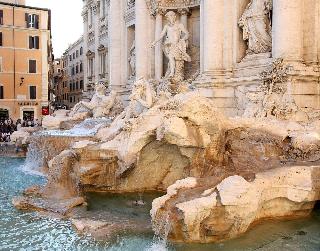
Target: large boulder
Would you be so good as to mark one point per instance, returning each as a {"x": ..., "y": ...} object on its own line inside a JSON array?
[{"x": 217, "y": 208}]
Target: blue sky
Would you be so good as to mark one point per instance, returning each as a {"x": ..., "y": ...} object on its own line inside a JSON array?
[{"x": 67, "y": 24}]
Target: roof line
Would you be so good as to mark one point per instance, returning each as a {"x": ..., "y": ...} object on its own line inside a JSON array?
[{"x": 24, "y": 6}]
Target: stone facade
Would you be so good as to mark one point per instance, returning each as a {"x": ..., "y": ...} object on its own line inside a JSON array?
[
  {"x": 228, "y": 47},
  {"x": 95, "y": 42},
  {"x": 69, "y": 76}
]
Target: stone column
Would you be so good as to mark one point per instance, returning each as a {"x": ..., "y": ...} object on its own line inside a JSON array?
[
  {"x": 158, "y": 47},
  {"x": 115, "y": 44},
  {"x": 85, "y": 48},
  {"x": 142, "y": 39},
  {"x": 212, "y": 36},
  {"x": 96, "y": 21},
  {"x": 287, "y": 29}
]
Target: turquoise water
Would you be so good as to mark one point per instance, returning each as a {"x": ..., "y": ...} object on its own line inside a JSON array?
[{"x": 29, "y": 231}]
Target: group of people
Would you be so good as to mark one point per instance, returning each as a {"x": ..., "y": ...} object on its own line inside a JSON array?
[{"x": 7, "y": 127}]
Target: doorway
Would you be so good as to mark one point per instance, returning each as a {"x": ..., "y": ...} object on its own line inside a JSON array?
[
  {"x": 4, "y": 114},
  {"x": 28, "y": 115}
]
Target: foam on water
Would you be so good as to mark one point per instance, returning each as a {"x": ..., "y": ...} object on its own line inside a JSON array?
[{"x": 88, "y": 127}]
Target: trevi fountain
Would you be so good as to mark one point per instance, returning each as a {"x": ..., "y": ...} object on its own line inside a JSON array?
[{"x": 207, "y": 138}]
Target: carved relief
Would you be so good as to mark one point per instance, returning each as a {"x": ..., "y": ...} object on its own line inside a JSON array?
[
  {"x": 256, "y": 25},
  {"x": 273, "y": 98},
  {"x": 130, "y": 3},
  {"x": 154, "y": 5}
]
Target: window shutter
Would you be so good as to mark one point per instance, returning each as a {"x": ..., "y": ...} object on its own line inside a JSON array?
[
  {"x": 1, "y": 92},
  {"x": 26, "y": 15},
  {"x": 31, "y": 46},
  {"x": 36, "y": 21},
  {"x": 32, "y": 66},
  {"x": 1, "y": 16},
  {"x": 33, "y": 92},
  {"x": 37, "y": 42},
  {"x": 0, "y": 38}
]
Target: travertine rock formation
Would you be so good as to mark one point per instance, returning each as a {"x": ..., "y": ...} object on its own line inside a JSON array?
[
  {"x": 224, "y": 164},
  {"x": 62, "y": 191},
  {"x": 218, "y": 208}
]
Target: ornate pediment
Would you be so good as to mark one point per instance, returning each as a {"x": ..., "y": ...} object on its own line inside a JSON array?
[{"x": 155, "y": 5}]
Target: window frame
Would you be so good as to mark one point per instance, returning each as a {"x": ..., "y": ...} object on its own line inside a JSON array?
[
  {"x": 35, "y": 66},
  {"x": 35, "y": 88}
]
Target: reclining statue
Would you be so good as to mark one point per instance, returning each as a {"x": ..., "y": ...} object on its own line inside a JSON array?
[{"x": 100, "y": 105}]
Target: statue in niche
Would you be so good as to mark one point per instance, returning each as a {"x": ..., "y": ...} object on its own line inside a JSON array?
[
  {"x": 175, "y": 46},
  {"x": 132, "y": 58},
  {"x": 256, "y": 25},
  {"x": 100, "y": 105}
]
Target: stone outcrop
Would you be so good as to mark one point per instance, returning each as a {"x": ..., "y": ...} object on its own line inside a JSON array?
[
  {"x": 218, "y": 208},
  {"x": 226, "y": 167},
  {"x": 62, "y": 191}
]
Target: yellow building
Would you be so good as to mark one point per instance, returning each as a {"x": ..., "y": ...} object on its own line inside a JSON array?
[{"x": 25, "y": 58}]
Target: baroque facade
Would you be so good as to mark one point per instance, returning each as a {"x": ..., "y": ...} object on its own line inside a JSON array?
[
  {"x": 95, "y": 42},
  {"x": 223, "y": 47}
]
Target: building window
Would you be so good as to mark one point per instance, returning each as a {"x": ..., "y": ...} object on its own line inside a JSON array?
[
  {"x": 70, "y": 86},
  {"x": 32, "y": 21},
  {"x": 70, "y": 58},
  {"x": 1, "y": 16},
  {"x": 73, "y": 55},
  {"x": 34, "y": 42},
  {"x": 33, "y": 92},
  {"x": 32, "y": 66},
  {"x": 90, "y": 65},
  {"x": 1, "y": 92},
  {"x": 81, "y": 84},
  {"x": 77, "y": 53},
  {"x": 1, "y": 39},
  {"x": 81, "y": 51},
  {"x": 103, "y": 63},
  {"x": 81, "y": 67},
  {"x": 77, "y": 85}
]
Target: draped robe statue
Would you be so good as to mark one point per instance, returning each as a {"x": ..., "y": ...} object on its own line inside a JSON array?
[
  {"x": 256, "y": 25},
  {"x": 175, "y": 46}
]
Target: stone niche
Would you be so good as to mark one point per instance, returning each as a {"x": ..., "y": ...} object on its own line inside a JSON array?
[
  {"x": 131, "y": 52},
  {"x": 188, "y": 13},
  {"x": 194, "y": 42},
  {"x": 193, "y": 26}
]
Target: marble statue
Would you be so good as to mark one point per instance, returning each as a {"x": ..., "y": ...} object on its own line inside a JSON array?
[
  {"x": 100, "y": 104},
  {"x": 175, "y": 45},
  {"x": 256, "y": 25},
  {"x": 132, "y": 59},
  {"x": 141, "y": 99}
]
